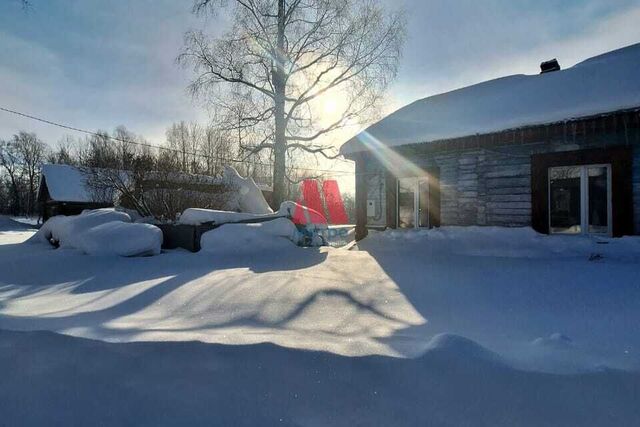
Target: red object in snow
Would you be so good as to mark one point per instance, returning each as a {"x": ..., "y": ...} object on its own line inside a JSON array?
[
  {"x": 303, "y": 215},
  {"x": 335, "y": 204},
  {"x": 311, "y": 195}
]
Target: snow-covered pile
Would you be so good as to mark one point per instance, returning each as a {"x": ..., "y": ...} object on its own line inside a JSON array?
[
  {"x": 300, "y": 214},
  {"x": 229, "y": 239},
  {"x": 167, "y": 384},
  {"x": 279, "y": 232},
  {"x": 101, "y": 232},
  {"x": 197, "y": 216},
  {"x": 601, "y": 84},
  {"x": 249, "y": 196},
  {"x": 521, "y": 242},
  {"x": 122, "y": 238}
]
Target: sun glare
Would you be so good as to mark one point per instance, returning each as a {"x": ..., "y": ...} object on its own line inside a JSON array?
[{"x": 330, "y": 106}]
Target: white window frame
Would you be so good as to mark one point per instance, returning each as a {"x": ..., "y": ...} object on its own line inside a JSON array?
[
  {"x": 416, "y": 200},
  {"x": 584, "y": 199}
]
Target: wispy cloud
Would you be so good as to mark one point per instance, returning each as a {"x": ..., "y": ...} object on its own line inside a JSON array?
[{"x": 100, "y": 64}]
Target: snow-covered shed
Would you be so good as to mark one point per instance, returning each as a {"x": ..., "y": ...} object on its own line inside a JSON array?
[
  {"x": 63, "y": 190},
  {"x": 559, "y": 151}
]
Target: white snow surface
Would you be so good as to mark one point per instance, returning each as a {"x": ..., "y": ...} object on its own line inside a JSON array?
[
  {"x": 197, "y": 216},
  {"x": 601, "y": 84},
  {"x": 101, "y": 232},
  {"x": 456, "y": 326},
  {"x": 123, "y": 239},
  {"x": 272, "y": 236}
]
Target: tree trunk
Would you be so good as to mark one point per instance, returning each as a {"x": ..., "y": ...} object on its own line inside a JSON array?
[{"x": 280, "y": 143}]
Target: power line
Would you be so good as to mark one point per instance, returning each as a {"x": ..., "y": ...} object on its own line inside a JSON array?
[{"x": 145, "y": 144}]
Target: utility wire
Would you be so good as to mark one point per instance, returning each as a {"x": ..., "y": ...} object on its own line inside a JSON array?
[{"x": 145, "y": 144}]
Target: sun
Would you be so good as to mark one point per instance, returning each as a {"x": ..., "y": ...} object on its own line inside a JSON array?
[{"x": 330, "y": 106}]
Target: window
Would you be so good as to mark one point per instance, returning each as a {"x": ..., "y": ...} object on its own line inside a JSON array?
[
  {"x": 580, "y": 199},
  {"x": 413, "y": 202}
]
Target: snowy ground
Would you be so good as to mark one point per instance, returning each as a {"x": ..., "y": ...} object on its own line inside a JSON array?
[{"x": 446, "y": 327}]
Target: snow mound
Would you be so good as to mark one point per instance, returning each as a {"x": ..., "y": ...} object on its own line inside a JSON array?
[
  {"x": 197, "y": 216},
  {"x": 458, "y": 347},
  {"x": 556, "y": 341},
  {"x": 67, "y": 230},
  {"x": 298, "y": 213},
  {"x": 122, "y": 238},
  {"x": 101, "y": 232},
  {"x": 250, "y": 197},
  {"x": 276, "y": 235},
  {"x": 517, "y": 242}
]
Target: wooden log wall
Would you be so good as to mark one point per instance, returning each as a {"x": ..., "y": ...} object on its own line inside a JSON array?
[{"x": 486, "y": 180}]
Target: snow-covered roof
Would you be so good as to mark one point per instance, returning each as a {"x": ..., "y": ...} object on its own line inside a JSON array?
[
  {"x": 66, "y": 183},
  {"x": 602, "y": 84},
  {"x": 69, "y": 183}
]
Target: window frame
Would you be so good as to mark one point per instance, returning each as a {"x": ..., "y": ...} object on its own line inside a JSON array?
[
  {"x": 415, "y": 184},
  {"x": 584, "y": 199}
]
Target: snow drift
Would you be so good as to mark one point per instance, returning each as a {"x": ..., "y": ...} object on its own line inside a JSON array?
[
  {"x": 517, "y": 242},
  {"x": 72, "y": 381},
  {"x": 276, "y": 235},
  {"x": 101, "y": 232}
]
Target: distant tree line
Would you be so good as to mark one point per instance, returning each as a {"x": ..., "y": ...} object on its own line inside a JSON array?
[
  {"x": 190, "y": 149},
  {"x": 20, "y": 161}
]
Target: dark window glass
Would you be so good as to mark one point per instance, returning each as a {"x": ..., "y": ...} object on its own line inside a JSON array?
[
  {"x": 406, "y": 208},
  {"x": 598, "y": 199},
  {"x": 423, "y": 196},
  {"x": 564, "y": 200}
]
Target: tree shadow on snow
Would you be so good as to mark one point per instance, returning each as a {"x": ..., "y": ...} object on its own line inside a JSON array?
[{"x": 29, "y": 273}]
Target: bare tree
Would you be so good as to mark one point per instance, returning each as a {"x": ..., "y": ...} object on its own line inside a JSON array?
[
  {"x": 10, "y": 162},
  {"x": 286, "y": 59},
  {"x": 66, "y": 152},
  {"x": 178, "y": 140},
  {"x": 32, "y": 152}
]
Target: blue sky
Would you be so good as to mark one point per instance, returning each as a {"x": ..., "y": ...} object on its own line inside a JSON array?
[{"x": 97, "y": 64}]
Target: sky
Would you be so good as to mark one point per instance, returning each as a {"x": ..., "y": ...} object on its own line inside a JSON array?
[{"x": 98, "y": 64}]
